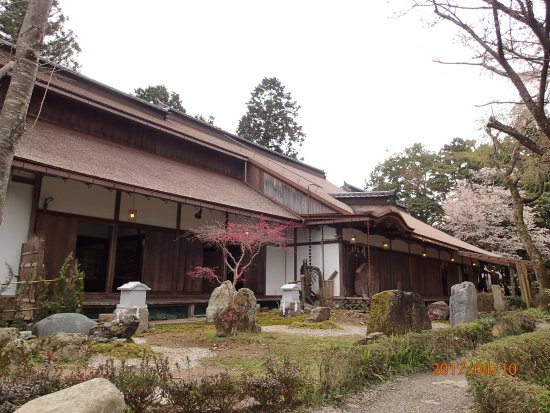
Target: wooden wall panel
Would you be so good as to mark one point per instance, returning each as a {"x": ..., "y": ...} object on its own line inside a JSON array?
[
  {"x": 158, "y": 260},
  {"x": 190, "y": 256},
  {"x": 255, "y": 278},
  {"x": 60, "y": 234}
]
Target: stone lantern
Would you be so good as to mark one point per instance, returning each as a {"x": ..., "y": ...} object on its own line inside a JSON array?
[
  {"x": 290, "y": 301},
  {"x": 132, "y": 299}
]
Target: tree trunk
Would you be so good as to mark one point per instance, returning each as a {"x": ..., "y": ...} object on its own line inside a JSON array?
[
  {"x": 18, "y": 97},
  {"x": 534, "y": 253}
]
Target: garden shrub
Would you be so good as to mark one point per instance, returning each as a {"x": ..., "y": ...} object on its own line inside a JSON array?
[
  {"x": 67, "y": 293},
  {"x": 141, "y": 384},
  {"x": 340, "y": 372},
  {"x": 485, "y": 302},
  {"x": 28, "y": 383},
  {"x": 542, "y": 299},
  {"x": 514, "y": 302},
  {"x": 528, "y": 392},
  {"x": 185, "y": 396},
  {"x": 281, "y": 384},
  {"x": 515, "y": 323},
  {"x": 395, "y": 354},
  {"x": 222, "y": 392}
]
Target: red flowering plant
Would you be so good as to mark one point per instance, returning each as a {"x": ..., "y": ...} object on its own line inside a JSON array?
[{"x": 249, "y": 237}]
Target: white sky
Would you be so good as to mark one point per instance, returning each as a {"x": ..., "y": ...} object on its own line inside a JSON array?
[{"x": 365, "y": 80}]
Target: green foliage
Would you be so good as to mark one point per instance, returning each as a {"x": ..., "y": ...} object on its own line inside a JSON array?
[
  {"x": 140, "y": 384},
  {"x": 270, "y": 120},
  {"x": 415, "y": 174},
  {"x": 514, "y": 323},
  {"x": 485, "y": 302},
  {"x": 60, "y": 44},
  {"x": 27, "y": 383},
  {"x": 542, "y": 299},
  {"x": 514, "y": 302},
  {"x": 530, "y": 390},
  {"x": 222, "y": 392},
  {"x": 67, "y": 292},
  {"x": 159, "y": 95},
  {"x": 340, "y": 371},
  {"x": 396, "y": 354}
]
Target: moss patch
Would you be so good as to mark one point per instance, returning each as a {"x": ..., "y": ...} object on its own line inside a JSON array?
[
  {"x": 378, "y": 313},
  {"x": 272, "y": 318},
  {"x": 122, "y": 351},
  {"x": 322, "y": 325}
]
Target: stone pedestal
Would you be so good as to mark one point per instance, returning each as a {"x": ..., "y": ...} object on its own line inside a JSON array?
[
  {"x": 133, "y": 300},
  {"x": 498, "y": 298},
  {"x": 290, "y": 301},
  {"x": 463, "y": 303}
]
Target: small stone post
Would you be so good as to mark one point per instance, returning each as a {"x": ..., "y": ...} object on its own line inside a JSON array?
[
  {"x": 290, "y": 301},
  {"x": 132, "y": 299}
]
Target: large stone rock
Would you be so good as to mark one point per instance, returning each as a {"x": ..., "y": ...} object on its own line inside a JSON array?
[
  {"x": 14, "y": 351},
  {"x": 438, "y": 311},
  {"x": 63, "y": 323},
  {"x": 124, "y": 326},
  {"x": 92, "y": 396},
  {"x": 142, "y": 313},
  {"x": 371, "y": 337},
  {"x": 318, "y": 314},
  {"x": 239, "y": 316},
  {"x": 463, "y": 303},
  {"x": 63, "y": 346},
  {"x": 219, "y": 301},
  {"x": 397, "y": 312},
  {"x": 498, "y": 298}
]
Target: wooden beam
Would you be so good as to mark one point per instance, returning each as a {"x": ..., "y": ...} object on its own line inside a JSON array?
[
  {"x": 176, "y": 268},
  {"x": 35, "y": 201},
  {"x": 111, "y": 266}
]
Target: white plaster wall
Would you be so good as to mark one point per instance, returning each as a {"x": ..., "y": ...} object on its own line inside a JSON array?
[
  {"x": 209, "y": 217},
  {"x": 77, "y": 198},
  {"x": 150, "y": 211},
  {"x": 332, "y": 263},
  {"x": 14, "y": 228},
  {"x": 276, "y": 271}
]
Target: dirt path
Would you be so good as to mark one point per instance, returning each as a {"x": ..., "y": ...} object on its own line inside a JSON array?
[{"x": 419, "y": 392}]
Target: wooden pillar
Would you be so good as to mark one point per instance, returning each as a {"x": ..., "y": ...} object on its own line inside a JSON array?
[
  {"x": 295, "y": 253},
  {"x": 37, "y": 187},
  {"x": 175, "y": 271},
  {"x": 113, "y": 245}
]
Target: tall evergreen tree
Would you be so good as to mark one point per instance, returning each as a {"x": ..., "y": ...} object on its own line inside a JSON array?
[
  {"x": 59, "y": 45},
  {"x": 159, "y": 95},
  {"x": 270, "y": 120}
]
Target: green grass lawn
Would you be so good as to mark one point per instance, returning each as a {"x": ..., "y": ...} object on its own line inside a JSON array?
[{"x": 248, "y": 351}]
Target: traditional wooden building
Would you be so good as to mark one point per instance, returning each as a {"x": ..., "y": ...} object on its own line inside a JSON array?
[{"x": 117, "y": 181}]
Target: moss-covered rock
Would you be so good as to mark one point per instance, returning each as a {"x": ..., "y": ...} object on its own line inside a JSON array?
[
  {"x": 397, "y": 312},
  {"x": 14, "y": 351}
]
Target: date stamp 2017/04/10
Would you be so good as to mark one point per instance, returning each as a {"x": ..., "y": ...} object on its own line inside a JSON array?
[{"x": 444, "y": 369}]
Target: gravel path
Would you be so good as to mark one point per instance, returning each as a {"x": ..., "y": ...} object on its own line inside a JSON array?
[
  {"x": 415, "y": 393},
  {"x": 347, "y": 330}
]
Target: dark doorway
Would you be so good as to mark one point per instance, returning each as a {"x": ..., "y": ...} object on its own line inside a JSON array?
[
  {"x": 92, "y": 253},
  {"x": 129, "y": 256},
  {"x": 212, "y": 258}
]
